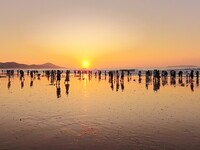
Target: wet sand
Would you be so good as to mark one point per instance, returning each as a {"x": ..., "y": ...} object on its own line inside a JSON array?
[{"x": 89, "y": 114}]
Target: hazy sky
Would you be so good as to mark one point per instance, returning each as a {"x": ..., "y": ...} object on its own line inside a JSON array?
[{"x": 107, "y": 33}]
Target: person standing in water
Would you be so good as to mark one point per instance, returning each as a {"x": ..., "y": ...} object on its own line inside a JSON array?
[
  {"x": 58, "y": 76},
  {"x": 197, "y": 75},
  {"x": 67, "y": 76}
]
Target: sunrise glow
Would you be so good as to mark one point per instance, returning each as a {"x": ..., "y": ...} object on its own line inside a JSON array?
[{"x": 85, "y": 64}]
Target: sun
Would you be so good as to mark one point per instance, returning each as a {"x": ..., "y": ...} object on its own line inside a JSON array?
[{"x": 85, "y": 64}]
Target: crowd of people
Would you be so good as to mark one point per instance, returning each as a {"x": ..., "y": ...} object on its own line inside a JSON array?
[{"x": 116, "y": 77}]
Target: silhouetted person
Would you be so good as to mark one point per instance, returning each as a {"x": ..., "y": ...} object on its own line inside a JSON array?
[
  {"x": 58, "y": 76},
  {"x": 100, "y": 75},
  {"x": 197, "y": 75},
  {"x": 128, "y": 73},
  {"x": 173, "y": 74},
  {"x": 117, "y": 74},
  {"x": 28, "y": 72},
  {"x": 21, "y": 74},
  {"x": 122, "y": 76},
  {"x": 164, "y": 74},
  {"x": 156, "y": 75},
  {"x": 180, "y": 74},
  {"x": 67, "y": 76},
  {"x": 192, "y": 75},
  {"x": 140, "y": 74},
  {"x": 31, "y": 73}
]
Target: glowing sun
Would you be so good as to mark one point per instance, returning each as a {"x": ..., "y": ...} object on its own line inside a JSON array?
[{"x": 85, "y": 64}]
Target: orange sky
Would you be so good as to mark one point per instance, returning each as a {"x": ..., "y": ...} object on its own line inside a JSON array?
[{"x": 106, "y": 33}]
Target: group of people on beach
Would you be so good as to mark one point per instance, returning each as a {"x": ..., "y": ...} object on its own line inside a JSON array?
[{"x": 115, "y": 77}]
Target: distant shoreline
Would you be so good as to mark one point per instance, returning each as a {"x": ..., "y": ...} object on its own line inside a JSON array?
[{"x": 15, "y": 66}]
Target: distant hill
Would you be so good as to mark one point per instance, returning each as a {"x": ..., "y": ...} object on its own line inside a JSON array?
[
  {"x": 14, "y": 65},
  {"x": 183, "y": 66}
]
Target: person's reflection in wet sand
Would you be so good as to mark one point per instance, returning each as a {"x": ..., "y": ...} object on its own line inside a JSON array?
[
  {"x": 22, "y": 84},
  {"x": 180, "y": 81},
  {"x": 9, "y": 83},
  {"x": 197, "y": 82},
  {"x": 173, "y": 81},
  {"x": 105, "y": 73},
  {"x": 112, "y": 85},
  {"x": 156, "y": 85},
  {"x": 187, "y": 81},
  {"x": 58, "y": 91},
  {"x": 99, "y": 78},
  {"x": 147, "y": 83},
  {"x": 31, "y": 83},
  {"x": 117, "y": 85},
  {"x": 148, "y": 79},
  {"x": 164, "y": 81},
  {"x": 140, "y": 80},
  {"x": 192, "y": 86},
  {"x": 67, "y": 88},
  {"x": 122, "y": 85},
  {"x": 52, "y": 80}
]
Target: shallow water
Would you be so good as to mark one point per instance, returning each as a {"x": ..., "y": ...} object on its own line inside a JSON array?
[{"x": 90, "y": 114}]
